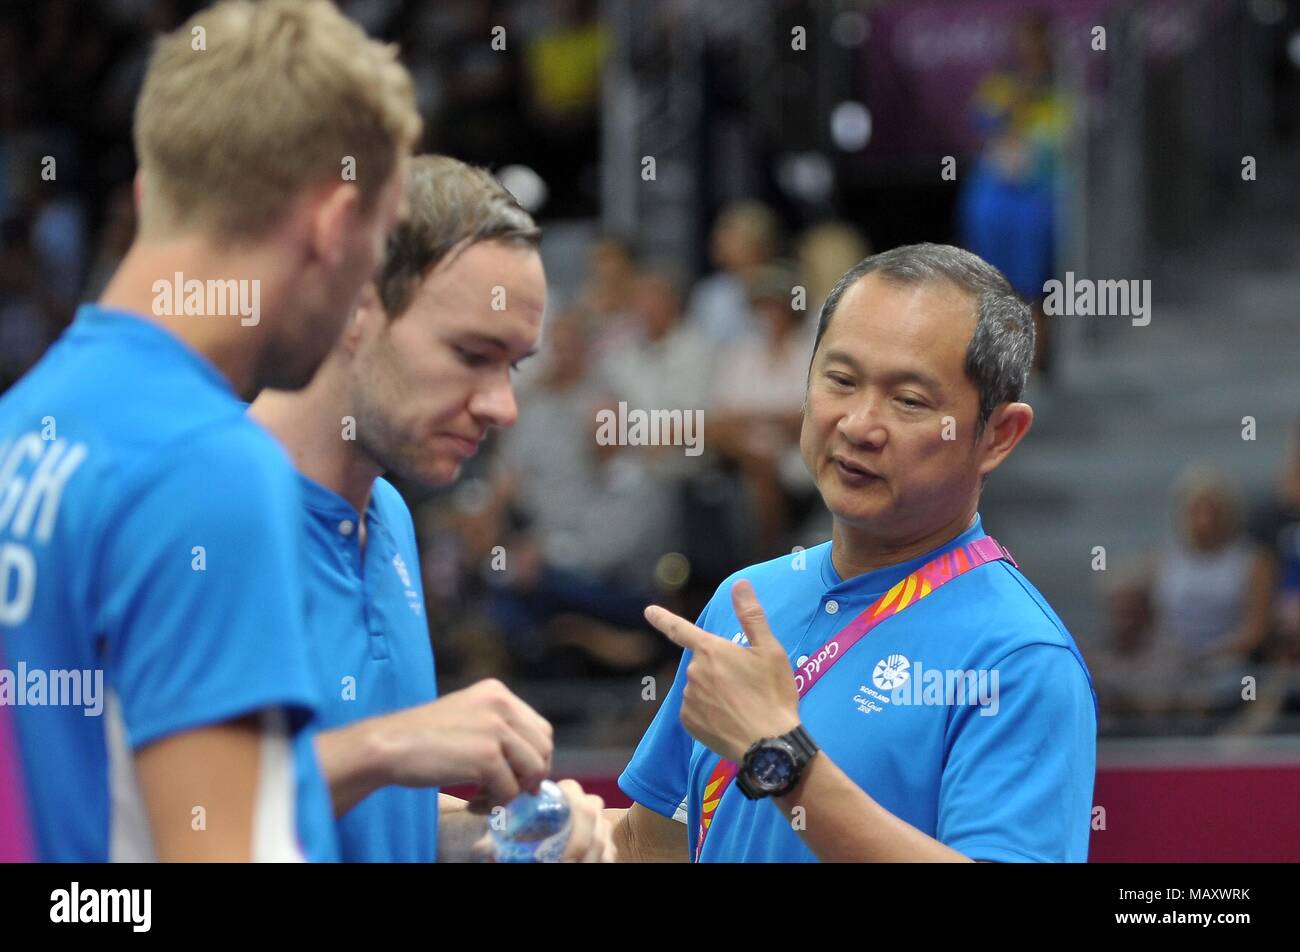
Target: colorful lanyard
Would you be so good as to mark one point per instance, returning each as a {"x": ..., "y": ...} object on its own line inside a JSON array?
[{"x": 922, "y": 582}]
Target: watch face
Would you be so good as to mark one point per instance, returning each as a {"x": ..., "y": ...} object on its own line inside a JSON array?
[{"x": 770, "y": 768}]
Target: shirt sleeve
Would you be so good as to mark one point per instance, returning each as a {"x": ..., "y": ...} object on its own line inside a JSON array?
[
  {"x": 201, "y": 613},
  {"x": 1018, "y": 776},
  {"x": 656, "y": 775}
]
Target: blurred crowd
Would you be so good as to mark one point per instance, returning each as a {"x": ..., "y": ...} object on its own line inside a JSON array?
[
  {"x": 1210, "y": 619},
  {"x": 70, "y": 71}
]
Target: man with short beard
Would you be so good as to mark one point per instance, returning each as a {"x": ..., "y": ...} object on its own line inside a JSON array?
[{"x": 417, "y": 379}]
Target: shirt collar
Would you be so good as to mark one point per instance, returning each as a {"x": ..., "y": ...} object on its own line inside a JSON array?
[
  {"x": 326, "y": 503},
  {"x": 881, "y": 580}
]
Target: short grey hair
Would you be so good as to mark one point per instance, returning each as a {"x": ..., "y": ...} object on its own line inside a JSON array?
[{"x": 1001, "y": 350}]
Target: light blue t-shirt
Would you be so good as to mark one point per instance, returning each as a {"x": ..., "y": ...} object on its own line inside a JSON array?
[
  {"x": 1004, "y": 774},
  {"x": 373, "y": 652},
  {"x": 150, "y": 578}
]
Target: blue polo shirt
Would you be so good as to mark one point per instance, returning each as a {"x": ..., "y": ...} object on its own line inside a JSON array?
[
  {"x": 373, "y": 653},
  {"x": 150, "y": 567},
  {"x": 970, "y": 714}
]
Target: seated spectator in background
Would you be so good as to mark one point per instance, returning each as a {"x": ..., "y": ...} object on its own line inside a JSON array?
[
  {"x": 825, "y": 251},
  {"x": 757, "y": 404},
  {"x": 1130, "y": 670},
  {"x": 764, "y": 374},
  {"x": 547, "y": 459},
  {"x": 459, "y": 533},
  {"x": 745, "y": 237},
  {"x": 1211, "y": 589},
  {"x": 595, "y": 517},
  {"x": 1275, "y": 526},
  {"x": 607, "y": 296},
  {"x": 667, "y": 365}
]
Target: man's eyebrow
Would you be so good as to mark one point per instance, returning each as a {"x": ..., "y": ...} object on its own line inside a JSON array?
[
  {"x": 497, "y": 343},
  {"x": 906, "y": 375},
  {"x": 842, "y": 357}
]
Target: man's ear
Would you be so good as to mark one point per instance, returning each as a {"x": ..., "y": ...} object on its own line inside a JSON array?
[
  {"x": 369, "y": 315},
  {"x": 1007, "y": 426},
  {"x": 335, "y": 211}
]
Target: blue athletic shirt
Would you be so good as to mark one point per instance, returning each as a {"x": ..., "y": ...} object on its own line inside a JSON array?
[
  {"x": 373, "y": 651},
  {"x": 1004, "y": 774},
  {"x": 150, "y": 532}
]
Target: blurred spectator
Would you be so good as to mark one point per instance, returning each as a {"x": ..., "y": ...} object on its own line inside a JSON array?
[
  {"x": 1131, "y": 671},
  {"x": 457, "y": 532},
  {"x": 667, "y": 365},
  {"x": 763, "y": 375},
  {"x": 826, "y": 251},
  {"x": 757, "y": 405},
  {"x": 565, "y": 59},
  {"x": 607, "y": 296},
  {"x": 59, "y": 240},
  {"x": 1211, "y": 589},
  {"x": 1007, "y": 210},
  {"x": 548, "y": 454},
  {"x": 584, "y": 569},
  {"x": 1275, "y": 525},
  {"x": 745, "y": 237}
]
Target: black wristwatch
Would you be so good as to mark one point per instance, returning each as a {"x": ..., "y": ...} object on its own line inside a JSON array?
[{"x": 773, "y": 765}]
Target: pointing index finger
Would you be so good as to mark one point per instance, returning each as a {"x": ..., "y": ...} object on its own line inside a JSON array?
[{"x": 677, "y": 629}]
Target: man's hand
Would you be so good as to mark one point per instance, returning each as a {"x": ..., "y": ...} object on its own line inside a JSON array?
[
  {"x": 734, "y": 696},
  {"x": 591, "y": 838},
  {"x": 482, "y": 734}
]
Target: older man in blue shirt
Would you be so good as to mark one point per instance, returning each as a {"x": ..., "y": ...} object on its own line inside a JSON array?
[{"x": 901, "y": 692}]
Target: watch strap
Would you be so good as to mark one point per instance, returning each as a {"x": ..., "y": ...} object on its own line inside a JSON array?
[{"x": 801, "y": 745}]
